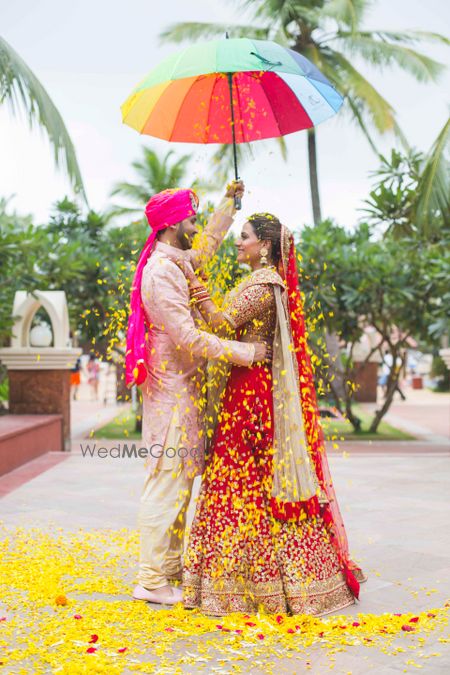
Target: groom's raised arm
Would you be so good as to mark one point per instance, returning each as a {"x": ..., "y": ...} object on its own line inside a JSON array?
[{"x": 209, "y": 240}]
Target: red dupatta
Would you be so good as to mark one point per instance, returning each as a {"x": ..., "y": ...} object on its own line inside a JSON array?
[{"x": 311, "y": 418}]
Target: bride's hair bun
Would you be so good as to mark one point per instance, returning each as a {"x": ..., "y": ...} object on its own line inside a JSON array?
[{"x": 267, "y": 227}]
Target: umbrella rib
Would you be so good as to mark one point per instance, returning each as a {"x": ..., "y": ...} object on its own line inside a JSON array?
[{"x": 182, "y": 53}]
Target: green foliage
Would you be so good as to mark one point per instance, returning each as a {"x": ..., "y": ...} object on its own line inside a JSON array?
[
  {"x": 356, "y": 281},
  {"x": 440, "y": 371},
  {"x": 79, "y": 254},
  {"x": 412, "y": 194}
]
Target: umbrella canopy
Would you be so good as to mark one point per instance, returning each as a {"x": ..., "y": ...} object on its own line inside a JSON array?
[{"x": 275, "y": 91}]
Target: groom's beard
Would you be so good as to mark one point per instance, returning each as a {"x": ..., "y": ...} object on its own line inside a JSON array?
[{"x": 184, "y": 239}]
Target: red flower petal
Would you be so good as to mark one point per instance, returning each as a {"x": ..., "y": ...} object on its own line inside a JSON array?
[
  {"x": 249, "y": 623},
  {"x": 219, "y": 626},
  {"x": 406, "y": 627},
  {"x": 169, "y": 630},
  {"x": 94, "y": 638},
  {"x": 121, "y": 651},
  {"x": 260, "y": 636},
  {"x": 290, "y": 630},
  {"x": 414, "y": 619},
  {"x": 429, "y": 614},
  {"x": 3, "y": 618},
  {"x": 356, "y": 624},
  {"x": 91, "y": 650},
  {"x": 279, "y": 619},
  {"x": 239, "y": 632},
  {"x": 77, "y": 616}
]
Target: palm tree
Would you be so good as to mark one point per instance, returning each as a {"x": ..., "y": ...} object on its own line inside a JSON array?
[
  {"x": 411, "y": 195},
  {"x": 329, "y": 33},
  {"x": 432, "y": 192},
  {"x": 20, "y": 88},
  {"x": 154, "y": 175}
]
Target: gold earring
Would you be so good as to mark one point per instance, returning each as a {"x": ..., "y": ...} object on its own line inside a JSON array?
[{"x": 264, "y": 253}]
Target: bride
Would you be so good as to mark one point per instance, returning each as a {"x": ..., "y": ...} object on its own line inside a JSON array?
[{"x": 267, "y": 529}]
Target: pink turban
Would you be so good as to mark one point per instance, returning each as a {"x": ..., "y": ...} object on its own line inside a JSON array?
[{"x": 166, "y": 208}]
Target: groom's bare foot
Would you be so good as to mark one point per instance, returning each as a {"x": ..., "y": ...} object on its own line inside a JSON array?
[{"x": 165, "y": 595}]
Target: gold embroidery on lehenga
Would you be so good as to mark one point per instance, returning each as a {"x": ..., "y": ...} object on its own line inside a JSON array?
[{"x": 239, "y": 557}]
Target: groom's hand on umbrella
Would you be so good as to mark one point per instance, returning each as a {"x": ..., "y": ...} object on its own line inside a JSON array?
[{"x": 235, "y": 189}]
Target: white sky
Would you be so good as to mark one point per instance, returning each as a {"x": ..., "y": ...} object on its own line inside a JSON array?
[{"x": 89, "y": 54}]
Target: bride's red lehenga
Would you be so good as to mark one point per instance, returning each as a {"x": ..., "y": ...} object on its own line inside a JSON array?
[{"x": 248, "y": 547}]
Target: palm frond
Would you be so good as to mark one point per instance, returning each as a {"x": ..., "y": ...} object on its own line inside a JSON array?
[
  {"x": 190, "y": 31},
  {"x": 428, "y": 36},
  {"x": 285, "y": 12},
  {"x": 21, "y": 89},
  {"x": 407, "y": 37},
  {"x": 375, "y": 48},
  {"x": 346, "y": 12},
  {"x": 115, "y": 210},
  {"x": 433, "y": 189},
  {"x": 282, "y": 146},
  {"x": 138, "y": 193},
  {"x": 357, "y": 113},
  {"x": 350, "y": 82}
]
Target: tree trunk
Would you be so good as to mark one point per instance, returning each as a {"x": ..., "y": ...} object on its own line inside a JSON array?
[
  {"x": 393, "y": 380},
  {"x": 373, "y": 429},
  {"x": 313, "y": 176},
  {"x": 352, "y": 418}
]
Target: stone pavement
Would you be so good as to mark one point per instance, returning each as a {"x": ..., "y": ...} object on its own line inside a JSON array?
[
  {"x": 395, "y": 506},
  {"x": 394, "y": 498}
]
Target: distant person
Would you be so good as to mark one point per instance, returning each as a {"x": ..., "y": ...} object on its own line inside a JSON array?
[
  {"x": 93, "y": 368},
  {"x": 75, "y": 378},
  {"x": 386, "y": 368}
]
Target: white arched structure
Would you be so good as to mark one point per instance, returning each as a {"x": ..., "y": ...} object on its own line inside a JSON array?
[{"x": 20, "y": 355}]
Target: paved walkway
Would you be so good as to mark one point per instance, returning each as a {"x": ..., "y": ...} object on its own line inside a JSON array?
[
  {"x": 394, "y": 498},
  {"x": 424, "y": 414},
  {"x": 395, "y": 508}
]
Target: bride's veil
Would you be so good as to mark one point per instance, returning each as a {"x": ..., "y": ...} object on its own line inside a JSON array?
[{"x": 303, "y": 428}]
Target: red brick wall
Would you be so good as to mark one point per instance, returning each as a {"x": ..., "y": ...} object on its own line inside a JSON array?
[{"x": 41, "y": 392}]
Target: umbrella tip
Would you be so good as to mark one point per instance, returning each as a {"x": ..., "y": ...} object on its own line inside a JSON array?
[{"x": 227, "y": 36}]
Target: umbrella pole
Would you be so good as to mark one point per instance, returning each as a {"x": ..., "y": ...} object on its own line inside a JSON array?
[{"x": 237, "y": 200}]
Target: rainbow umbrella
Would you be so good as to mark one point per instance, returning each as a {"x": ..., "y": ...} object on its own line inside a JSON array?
[{"x": 234, "y": 90}]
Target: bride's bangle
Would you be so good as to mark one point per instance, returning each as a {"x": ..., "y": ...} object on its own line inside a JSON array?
[
  {"x": 197, "y": 290},
  {"x": 200, "y": 296}
]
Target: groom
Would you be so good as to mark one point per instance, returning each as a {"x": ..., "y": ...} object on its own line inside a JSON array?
[{"x": 173, "y": 353}]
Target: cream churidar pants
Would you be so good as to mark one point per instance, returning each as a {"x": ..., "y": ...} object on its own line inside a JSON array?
[{"x": 162, "y": 516}]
